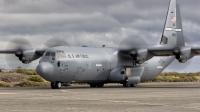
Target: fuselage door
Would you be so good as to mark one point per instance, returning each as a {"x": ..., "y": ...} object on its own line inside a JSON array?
[{"x": 60, "y": 68}]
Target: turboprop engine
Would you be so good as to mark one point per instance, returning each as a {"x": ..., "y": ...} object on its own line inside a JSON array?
[
  {"x": 27, "y": 56},
  {"x": 137, "y": 48},
  {"x": 140, "y": 56},
  {"x": 183, "y": 54}
]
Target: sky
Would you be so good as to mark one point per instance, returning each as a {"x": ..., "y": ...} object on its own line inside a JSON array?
[{"x": 94, "y": 23}]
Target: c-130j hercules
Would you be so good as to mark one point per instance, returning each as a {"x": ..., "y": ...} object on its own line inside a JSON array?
[{"x": 129, "y": 64}]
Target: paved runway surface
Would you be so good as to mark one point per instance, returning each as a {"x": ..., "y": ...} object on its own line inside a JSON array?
[{"x": 149, "y": 97}]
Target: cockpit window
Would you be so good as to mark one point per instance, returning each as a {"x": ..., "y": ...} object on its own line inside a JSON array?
[
  {"x": 53, "y": 54},
  {"x": 47, "y": 54},
  {"x": 57, "y": 54},
  {"x": 60, "y": 54}
]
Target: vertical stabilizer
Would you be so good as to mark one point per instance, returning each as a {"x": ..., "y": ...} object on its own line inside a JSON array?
[{"x": 173, "y": 31}]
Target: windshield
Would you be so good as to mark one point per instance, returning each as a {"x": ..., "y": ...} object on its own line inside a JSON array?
[
  {"x": 60, "y": 54},
  {"x": 57, "y": 54},
  {"x": 47, "y": 54}
]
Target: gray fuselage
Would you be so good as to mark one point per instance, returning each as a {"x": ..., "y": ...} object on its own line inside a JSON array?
[{"x": 91, "y": 64}]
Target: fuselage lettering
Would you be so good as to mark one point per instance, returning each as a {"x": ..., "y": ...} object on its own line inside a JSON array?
[{"x": 78, "y": 56}]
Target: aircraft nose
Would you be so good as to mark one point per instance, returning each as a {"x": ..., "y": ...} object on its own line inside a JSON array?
[{"x": 45, "y": 70}]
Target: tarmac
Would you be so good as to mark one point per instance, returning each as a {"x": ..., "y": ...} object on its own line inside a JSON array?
[{"x": 146, "y": 97}]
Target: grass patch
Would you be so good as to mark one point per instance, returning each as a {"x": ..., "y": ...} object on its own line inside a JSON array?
[
  {"x": 177, "y": 77},
  {"x": 32, "y": 84},
  {"x": 26, "y": 71},
  {"x": 3, "y": 84},
  {"x": 36, "y": 78},
  {"x": 5, "y": 79}
]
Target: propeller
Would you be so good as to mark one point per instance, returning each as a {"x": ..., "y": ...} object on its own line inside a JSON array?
[
  {"x": 136, "y": 42},
  {"x": 21, "y": 44},
  {"x": 53, "y": 42},
  {"x": 18, "y": 44},
  {"x": 132, "y": 42},
  {"x": 176, "y": 65},
  {"x": 136, "y": 47}
]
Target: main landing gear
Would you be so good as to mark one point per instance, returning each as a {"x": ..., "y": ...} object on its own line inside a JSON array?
[
  {"x": 93, "y": 85},
  {"x": 56, "y": 85},
  {"x": 125, "y": 83},
  {"x": 129, "y": 85}
]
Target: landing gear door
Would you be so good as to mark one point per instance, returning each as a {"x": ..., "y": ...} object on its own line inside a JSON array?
[{"x": 134, "y": 74}]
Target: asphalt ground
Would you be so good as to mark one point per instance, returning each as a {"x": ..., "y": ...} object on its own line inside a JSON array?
[{"x": 146, "y": 97}]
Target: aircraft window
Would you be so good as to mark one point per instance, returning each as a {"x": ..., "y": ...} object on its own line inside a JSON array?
[
  {"x": 60, "y": 54},
  {"x": 53, "y": 54},
  {"x": 58, "y": 64},
  {"x": 173, "y": 34},
  {"x": 47, "y": 54}
]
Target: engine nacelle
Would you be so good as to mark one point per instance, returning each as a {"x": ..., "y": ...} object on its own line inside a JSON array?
[
  {"x": 140, "y": 55},
  {"x": 27, "y": 56},
  {"x": 183, "y": 54}
]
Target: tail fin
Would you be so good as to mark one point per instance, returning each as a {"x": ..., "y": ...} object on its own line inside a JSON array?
[{"x": 173, "y": 31}]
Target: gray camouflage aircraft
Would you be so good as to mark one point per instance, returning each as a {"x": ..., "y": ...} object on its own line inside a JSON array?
[{"x": 129, "y": 64}]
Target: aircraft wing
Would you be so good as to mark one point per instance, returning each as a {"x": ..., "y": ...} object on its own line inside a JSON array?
[
  {"x": 8, "y": 51},
  {"x": 196, "y": 50},
  {"x": 25, "y": 55},
  {"x": 159, "y": 51},
  {"x": 38, "y": 51}
]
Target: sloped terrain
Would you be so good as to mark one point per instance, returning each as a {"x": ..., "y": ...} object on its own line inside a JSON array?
[{"x": 22, "y": 80}]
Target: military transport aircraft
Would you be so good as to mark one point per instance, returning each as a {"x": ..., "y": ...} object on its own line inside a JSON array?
[{"x": 128, "y": 64}]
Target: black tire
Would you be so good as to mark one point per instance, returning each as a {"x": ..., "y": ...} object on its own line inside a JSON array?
[
  {"x": 133, "y": 85},
  {"x": 126, "y": 85},
  {"x": 93, "y": 85},
  {"x": 100, "y": 85},
  {"x": 53, "y": 85},
  {"x": 58, "y": 85}
]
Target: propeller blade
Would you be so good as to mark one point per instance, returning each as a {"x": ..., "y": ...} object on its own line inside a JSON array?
[
  {"x": 18, "y": 44},
  {"x": 53, "y": 42},
  {"x": 132, "y": 42}
]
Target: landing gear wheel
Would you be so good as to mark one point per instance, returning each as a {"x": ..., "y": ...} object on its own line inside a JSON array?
[
  {"x": 126, "y": 85},
  {"x": 100, "y": 85},
  {"x": 58, "y": 85},
  {"x": 53, "y": 85},
  {"x": 93, "y": 85},
  {"x": 133, "y": 85}
]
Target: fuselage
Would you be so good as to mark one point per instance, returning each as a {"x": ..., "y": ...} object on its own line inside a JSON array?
[{"x": 92, "y": 64}]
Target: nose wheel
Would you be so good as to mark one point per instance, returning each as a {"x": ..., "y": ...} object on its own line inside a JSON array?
[
  {"x": 53, "y": 85},
  {"x": 56, "y": 85}
]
